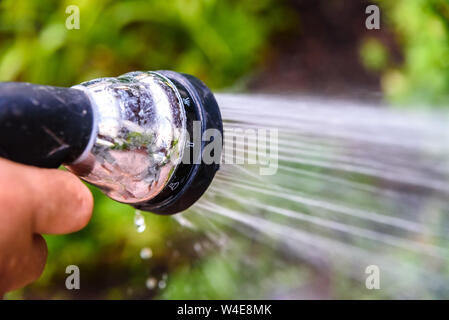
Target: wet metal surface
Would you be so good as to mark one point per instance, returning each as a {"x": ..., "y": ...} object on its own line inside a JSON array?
[{"x": 140, "y": 135}]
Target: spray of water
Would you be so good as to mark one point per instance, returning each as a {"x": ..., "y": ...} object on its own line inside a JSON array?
[{"x": 356, "y": 185}]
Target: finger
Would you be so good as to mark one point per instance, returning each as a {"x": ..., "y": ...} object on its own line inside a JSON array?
[
  {"x": 37, "y": 259},
  {"x": 58, "y": 202},
  {"x": 28, "y": 266},
  {"x": 61, "y": 202}
]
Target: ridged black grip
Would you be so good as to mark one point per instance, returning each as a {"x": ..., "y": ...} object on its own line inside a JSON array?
[{"x": 43, "y": 126}]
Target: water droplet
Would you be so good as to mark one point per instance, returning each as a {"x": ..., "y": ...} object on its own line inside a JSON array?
[
  {"x": 139, "y": 221},
  {"x": 162, "y": 284},
  {"x": 197, "y": 247},
  {"x": 151, "y": 283},
  {"x": 146, "y": 253}
]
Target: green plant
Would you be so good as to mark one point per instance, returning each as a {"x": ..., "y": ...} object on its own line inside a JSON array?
[
  {"x": 422, "y": 30},
  {"x": 218, "y": 41}
]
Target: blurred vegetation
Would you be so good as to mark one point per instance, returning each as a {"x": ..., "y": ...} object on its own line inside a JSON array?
[
  {"x": 218, "y": 41},
  {"x": 421, "y": 28},
  {"x": 221, "y": 42}
]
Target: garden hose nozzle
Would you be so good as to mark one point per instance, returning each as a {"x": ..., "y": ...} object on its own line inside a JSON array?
[{"x": 138, "y": 137}]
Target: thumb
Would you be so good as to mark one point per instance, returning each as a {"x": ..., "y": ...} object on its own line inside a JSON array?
[
  {"x": 58, "y": 201},
  {"x": 62, "y": 203}
]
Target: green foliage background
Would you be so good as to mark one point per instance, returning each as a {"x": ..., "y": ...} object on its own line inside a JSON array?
[
  {"x": 218, "y": 41},
  {"x": 221, "y": 42},
  {"x": 421, "y": 28}
]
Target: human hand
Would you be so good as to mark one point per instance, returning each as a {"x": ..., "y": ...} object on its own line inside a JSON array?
[{"x": 35, "y": 201}]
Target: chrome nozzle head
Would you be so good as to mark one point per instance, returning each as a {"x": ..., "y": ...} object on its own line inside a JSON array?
[{"x": 143, "y": 127}]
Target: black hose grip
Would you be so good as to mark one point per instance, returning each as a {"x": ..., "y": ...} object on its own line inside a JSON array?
[{"x": 43, "y": 126}]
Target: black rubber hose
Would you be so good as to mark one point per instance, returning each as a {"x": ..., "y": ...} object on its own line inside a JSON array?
[{"x": 43, "y": 126}]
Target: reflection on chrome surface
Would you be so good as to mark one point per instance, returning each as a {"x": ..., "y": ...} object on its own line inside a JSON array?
[{"x": 140, "y": 136}]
